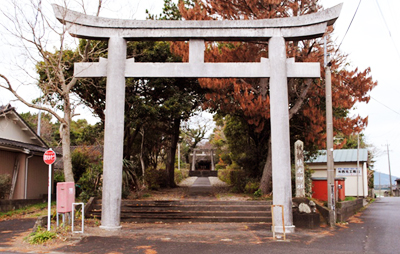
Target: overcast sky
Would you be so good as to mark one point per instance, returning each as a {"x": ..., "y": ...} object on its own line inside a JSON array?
[
  {"x": 373, "y": 41},
  {"x": 370, "y": 42}
]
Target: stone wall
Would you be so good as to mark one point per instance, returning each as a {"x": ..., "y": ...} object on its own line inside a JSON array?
[
  {"x": 344, "y": 210},
  {"x": 9, "y": 205},
  {"x": 348, "y": 209}
]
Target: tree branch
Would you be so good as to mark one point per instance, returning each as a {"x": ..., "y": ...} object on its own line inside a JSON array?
[
  {"x": 31, "y": 105},
  {"x": 299, "y": 102}
]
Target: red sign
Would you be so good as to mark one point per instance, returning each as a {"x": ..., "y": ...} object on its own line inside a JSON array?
[{"x": 49, "y": 157}]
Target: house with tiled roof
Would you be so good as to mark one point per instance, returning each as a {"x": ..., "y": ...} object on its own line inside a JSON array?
[
  {"x": 21, "y": 156},
  {"x": 345, "y": 168}
]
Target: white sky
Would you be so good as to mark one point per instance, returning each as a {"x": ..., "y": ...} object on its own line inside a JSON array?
[{"x": 368, "y": 44}]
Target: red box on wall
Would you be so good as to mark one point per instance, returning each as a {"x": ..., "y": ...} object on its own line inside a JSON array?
[
  {"x": 320, "y": 188},
  {"x": 65, "y": 197}
]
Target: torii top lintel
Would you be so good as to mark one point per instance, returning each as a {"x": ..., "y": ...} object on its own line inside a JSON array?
[{"x": 292, "y": 28}]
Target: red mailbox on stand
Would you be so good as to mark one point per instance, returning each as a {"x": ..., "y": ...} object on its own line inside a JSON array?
[{"x": 65, "y": 197}]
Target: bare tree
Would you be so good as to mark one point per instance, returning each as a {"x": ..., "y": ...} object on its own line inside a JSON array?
[{"x": 32, "y": 26}]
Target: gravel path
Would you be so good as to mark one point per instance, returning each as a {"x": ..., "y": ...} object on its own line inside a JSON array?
[
  {"x": 215, "y": 181},
  {"x": 187, "y": 181}
]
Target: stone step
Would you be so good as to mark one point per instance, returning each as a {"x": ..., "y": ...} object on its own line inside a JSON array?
[
  {"x": 194, "y": 208},
  {"x": 200, "y": 219},
  {"x": 191, "y": 210},
  {"x": 190, "y": 202},
  {"x": 203, "y": 173},
  {"x": 193, "y": 218},
  {"x": 175, "y": 213}
]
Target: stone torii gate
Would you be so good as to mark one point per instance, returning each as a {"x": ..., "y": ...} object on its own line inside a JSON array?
[{"x": 116, "y": 68}]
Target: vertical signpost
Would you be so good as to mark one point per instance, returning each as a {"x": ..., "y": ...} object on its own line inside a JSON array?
[{"x": 49, "y": 157}]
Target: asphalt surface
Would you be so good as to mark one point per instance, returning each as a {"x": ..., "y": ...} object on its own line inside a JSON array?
[
  {"x": 375, "y": 230},
  {"x": 12, "y": 228}
]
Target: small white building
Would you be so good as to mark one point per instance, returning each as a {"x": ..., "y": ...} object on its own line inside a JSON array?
[{"x": 345, "y": 166}]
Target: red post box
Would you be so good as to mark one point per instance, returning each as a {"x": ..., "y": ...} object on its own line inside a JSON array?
[{"x": 65, "y": 197}]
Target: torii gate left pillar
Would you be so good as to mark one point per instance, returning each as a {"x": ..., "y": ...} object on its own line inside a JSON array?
[
  {"x": 114, "y": 134},
  {"x": 277, "y": 67}
]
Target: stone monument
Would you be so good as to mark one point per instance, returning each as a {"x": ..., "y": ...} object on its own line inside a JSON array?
[{"x": 299, "y": 169}]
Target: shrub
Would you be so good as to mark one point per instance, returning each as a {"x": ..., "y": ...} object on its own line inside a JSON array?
[
  {"x": 87, "y": 168},
  {"x": 40, "y": 236},
  {"x": 223, "y": 175},
  {"x": 59, "y": 176},
  {"x": 155, "y": 178},
  {"x": 258, "y": 193},
  {"x": 238, "y": 180},
  {"x": 252, "y": 186},
  {"x": 180, "y": 174},
  {"x": 5, "y": 185},
  {"x": 90, "y": 182}
]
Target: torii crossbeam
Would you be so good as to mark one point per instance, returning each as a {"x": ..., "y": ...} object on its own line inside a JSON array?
[{"x": 277, "y": 67}]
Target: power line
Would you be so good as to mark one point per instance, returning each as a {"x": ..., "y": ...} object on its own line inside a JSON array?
[
  {"x": 385, "y": 105},
  {"x": 348, "y": 28},
  {"x": 387, "y": 27}
]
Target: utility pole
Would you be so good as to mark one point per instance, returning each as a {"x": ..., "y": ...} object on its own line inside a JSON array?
[
  {"x": 329, "y": 139},
  {"x": 358, "y": 161},
  {"x": 380, "y": 188},
  {"x": 390, "y": 173}
]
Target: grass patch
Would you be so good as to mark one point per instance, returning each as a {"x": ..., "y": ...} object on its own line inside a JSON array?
[
  {"x": 350, "y": 199},
  {"x": 28, "y": 211},
  {"x": 40, "y": 236}
]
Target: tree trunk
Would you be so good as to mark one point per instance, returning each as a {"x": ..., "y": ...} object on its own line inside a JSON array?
[
  {"x": 141, "y": 153},
  {"x": 172, "y": 152},
  {"x": 66, "y": 143},
  {"x": 266, "y": 180}
]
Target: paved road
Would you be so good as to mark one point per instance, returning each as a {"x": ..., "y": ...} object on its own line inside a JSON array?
[
  {"x": 11, "y": 228},
  {"x": 374, "y": 231}
]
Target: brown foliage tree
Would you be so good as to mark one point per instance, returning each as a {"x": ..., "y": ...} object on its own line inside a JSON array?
[{"x": 249, "y": 98}]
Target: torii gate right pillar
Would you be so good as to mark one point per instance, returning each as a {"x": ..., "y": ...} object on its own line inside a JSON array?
[{"x": 280, "y": 134}]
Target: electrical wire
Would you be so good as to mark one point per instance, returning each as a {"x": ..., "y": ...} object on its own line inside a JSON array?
[
  {"x": 385, "y": 105},
  {"x": 387, "y": 27},
  {"x": 348, "y": 28}
]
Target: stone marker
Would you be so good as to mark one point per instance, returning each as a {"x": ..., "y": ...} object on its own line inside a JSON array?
[{"x": 299, "y": 167}]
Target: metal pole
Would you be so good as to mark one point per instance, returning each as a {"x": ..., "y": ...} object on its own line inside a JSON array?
[
  {"x": 49, "y": 200},
  {"x": 329, "y": 141},
  {"x": 358, "y": 160},
  {"x": 380, "y": 188},
  {"x": 390, "y": 173}
]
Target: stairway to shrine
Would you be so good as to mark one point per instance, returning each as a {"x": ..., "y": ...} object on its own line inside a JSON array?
[{"x": 190, "y": 211}]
